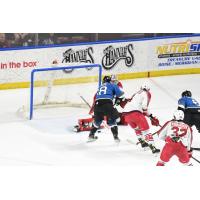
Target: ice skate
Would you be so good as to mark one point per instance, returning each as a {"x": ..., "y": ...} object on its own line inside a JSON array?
[
  {"x": 154, "y": 149},
  {"x": 143, "y": 143},
  {"x": 92, "y": 138},
  {"x": 114, "y": 131},
  {"x": 117, "y": 140}
]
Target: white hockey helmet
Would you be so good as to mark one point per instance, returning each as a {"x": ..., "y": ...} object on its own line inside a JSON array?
[
  {"x": 145, "y": 86},
  {"x": 178, "y": 115}
]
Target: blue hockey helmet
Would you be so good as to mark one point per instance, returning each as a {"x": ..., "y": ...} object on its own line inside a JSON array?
[
  {"x": 186, "y": 93},
  {"x": 106, "y": 79}
]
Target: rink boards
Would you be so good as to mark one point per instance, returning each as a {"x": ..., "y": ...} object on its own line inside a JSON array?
[{"x": 133, "y": 58}]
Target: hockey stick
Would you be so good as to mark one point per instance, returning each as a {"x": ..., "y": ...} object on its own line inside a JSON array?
[
  {"x": 130, "y": 141},
  {"x": 104, "y": 123},
  {"x": 85, "y": 101},
  {"x": 151, "y": 134},
  {"x": 135, "y": 94},
  {"x": 195, "y": 159},
  {"x": 148, "y": 145},
  {"x": 195, "y": 148},
  {"x": 126, "y": 100}
]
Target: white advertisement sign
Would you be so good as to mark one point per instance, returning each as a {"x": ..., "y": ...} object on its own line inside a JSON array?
[{"x": 115, "y": 57}]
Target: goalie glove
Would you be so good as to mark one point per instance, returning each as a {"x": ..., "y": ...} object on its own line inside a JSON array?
[
  {"x": 117, "y": 101},
  {"x": 154, "y": 120}
]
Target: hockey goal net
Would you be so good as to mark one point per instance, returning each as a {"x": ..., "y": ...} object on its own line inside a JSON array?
[{"x": 62, "y": 87}]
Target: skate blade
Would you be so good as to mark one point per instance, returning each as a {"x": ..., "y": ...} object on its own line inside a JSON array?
[
  {"x": 91, "y": 140},
  {"x": 117, "y": 142},
  {"x": 156, "y": 154},
  {"x": 145, "y": 148}
]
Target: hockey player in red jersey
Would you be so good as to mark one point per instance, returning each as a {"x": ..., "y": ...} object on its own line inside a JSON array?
[
  {"x": 178, "y": 138},
  {"x": 136, "y": 112}
]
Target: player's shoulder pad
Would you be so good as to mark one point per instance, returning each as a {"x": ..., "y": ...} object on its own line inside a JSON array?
[{"x": 182, "y": 99}]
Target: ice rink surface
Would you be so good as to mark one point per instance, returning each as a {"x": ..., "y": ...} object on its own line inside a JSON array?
[{"x": 49, "y": 139}]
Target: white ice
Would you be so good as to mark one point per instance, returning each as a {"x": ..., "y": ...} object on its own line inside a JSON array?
[{"x": 48, "y": 139}]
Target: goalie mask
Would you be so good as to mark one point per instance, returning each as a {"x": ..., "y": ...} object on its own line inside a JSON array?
[{"x": 178, "y": 115}]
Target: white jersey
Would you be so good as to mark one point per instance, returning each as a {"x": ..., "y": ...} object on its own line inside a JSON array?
[
  {"x": 177, "y": 129},
  {"x": 140, "y": 102}
]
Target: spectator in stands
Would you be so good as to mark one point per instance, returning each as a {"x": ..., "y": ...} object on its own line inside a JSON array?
[
  {"x": 29, "y": 39},
  {"x": 10, "y": 40},
  {"x": 47, "y": 38},
  {"x": 24, "y": 39},
  {"x": 63, "y": 38},
  {"x": 2, "y": 40}
]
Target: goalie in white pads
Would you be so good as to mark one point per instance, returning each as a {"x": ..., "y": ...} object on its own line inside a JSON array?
[{"x": 178, "y": 138}]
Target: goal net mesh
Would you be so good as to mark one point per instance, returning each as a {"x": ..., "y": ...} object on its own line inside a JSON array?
[{"x": 58, "y": 87}]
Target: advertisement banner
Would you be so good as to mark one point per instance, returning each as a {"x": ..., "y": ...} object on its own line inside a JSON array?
[
  {"x": 124, "y": 57},
  {"x": 176, "y": 53}
]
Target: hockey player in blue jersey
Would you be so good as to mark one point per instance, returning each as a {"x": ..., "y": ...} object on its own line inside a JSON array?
[
  {"x": 104, "y": 107},
  {"x": 191, "y": 109}
]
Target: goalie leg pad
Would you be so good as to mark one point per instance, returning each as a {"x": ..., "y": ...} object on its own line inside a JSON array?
[{"x": 85, "y": 124}]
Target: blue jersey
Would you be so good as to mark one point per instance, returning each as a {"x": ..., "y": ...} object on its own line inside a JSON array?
[
  {"x": 188, "y": 102},
  {"x": 108, "y": 91}
]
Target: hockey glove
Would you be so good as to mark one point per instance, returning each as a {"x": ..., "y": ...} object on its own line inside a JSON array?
[
  {"x": 122, "y": 102},
  {"x": 154, "y": 120},
  {"x": 118, "y": 101}
]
